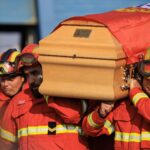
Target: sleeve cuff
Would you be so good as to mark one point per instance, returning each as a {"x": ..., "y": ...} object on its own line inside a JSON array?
[
  {"x": 96, "y": 117},
  {"x": 134, "y": 91},
  {"x": 136, "y": 95}
]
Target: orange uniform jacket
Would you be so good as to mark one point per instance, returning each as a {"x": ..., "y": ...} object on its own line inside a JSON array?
[
  {"x": 36, "y": 125},
  {"x": 130, "y": 121},
  {"x": 4, "y": 100}
]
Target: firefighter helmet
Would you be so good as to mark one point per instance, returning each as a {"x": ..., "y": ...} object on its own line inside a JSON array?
[
  {"x": 8, "y": 65},
  {"x": 144, "y": 65},
  {"x": 27, "y": 57}
]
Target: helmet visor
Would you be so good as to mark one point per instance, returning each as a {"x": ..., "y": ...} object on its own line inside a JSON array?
[
  {"x": 7, "y": 68},
  {"x": 27, "y": 59},
  {"x": 144, "y": 68}
]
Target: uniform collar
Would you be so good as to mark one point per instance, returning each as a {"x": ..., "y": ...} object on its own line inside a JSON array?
[
  {"x": 26, "y": 95},
  {"x": 3, "y": 97}
]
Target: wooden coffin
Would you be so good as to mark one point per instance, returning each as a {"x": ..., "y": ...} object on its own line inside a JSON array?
[{"x": 82, "y": 59}]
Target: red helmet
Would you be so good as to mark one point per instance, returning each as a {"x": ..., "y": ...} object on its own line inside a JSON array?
[
  {"x": 27, "y": 57},
  {"x": 29, "y": 48}
]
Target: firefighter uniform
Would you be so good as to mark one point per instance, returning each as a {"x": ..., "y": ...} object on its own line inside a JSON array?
[
  {"x": 130, "y": 120},
  {"x": 4, "y": 100},
  {"x": 34, "y": 124}
]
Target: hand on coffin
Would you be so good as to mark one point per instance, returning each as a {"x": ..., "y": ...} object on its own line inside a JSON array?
[
  {"x": 134, "y": 84},
  {"x": 105, "y": 108}
]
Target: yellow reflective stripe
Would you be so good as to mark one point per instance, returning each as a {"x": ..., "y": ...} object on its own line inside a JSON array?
[
  {"x": 33, "y": 131},
  {"x": 91, "y": 122},
  {"x": 13, "y": 56},
  {"x": 36, "y": 130},
  {"x": 109, "y": 126},
  {"x": 8, "y": 136},
  {"x": 67, "y": 129},
  {"x": 132, "y": 137},
  {"x": 137, "y": 97},
  {"x": 127, "y": 137},
  {"x": 145, "y": 136}
]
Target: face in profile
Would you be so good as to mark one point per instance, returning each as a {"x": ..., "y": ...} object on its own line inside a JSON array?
[
  {"x": 146, "y": 85},
  {"x": 11, "y": 86}
]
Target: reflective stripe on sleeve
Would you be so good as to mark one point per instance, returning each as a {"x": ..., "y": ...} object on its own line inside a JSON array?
[
  {"x": 8, "y": 136},
  {"x": 137, "y": 97},
  {"x": 109, "y": 126},
  {"x": 91, "y": 122}
]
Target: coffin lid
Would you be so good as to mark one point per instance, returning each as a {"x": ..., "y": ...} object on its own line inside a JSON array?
[
  {"x": 125, "y": 29},
  {"x": 81, "y": 39}
]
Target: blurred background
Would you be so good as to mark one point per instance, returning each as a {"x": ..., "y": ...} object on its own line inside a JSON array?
[{"x": 27, "y": 21}]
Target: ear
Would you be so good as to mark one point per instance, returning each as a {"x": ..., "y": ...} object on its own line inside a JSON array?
[{"x": 22, "y": 79}]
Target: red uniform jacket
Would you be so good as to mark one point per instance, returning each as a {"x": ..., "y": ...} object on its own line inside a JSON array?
[
  {"x": 4, "y": 100},
  {"x": 34, "y": 124},
  {"x": 130, "y": 120}
]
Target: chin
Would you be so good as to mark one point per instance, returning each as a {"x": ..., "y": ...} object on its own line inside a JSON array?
[{"x": 8, "y": 94}]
